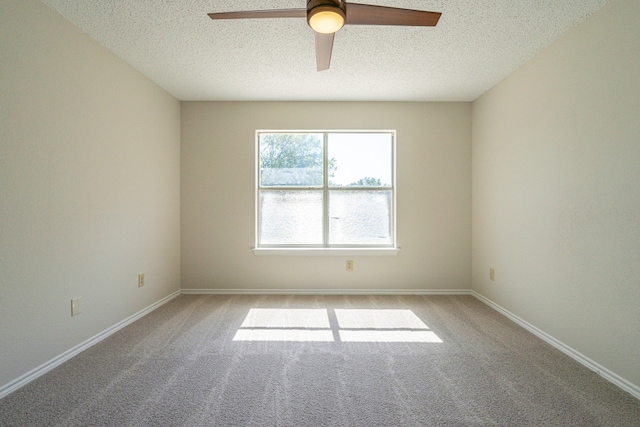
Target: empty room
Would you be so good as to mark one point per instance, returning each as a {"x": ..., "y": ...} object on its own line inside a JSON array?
[{"x": 321, "y": 213}]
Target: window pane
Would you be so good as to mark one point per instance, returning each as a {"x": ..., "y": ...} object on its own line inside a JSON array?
[
  {"x": 360, "y": 159},
  {"x": 291, "y": 159},
  {"x": 290, "y": 217},
  {"x": 360, "y": 217}
]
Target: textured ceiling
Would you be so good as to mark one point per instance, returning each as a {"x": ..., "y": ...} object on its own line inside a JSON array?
[{"x": 475, "y": 45}]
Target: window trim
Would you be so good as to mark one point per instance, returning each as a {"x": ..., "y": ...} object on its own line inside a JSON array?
[
  {"x": 319, "y": 251},
  {"x": 333, "y": 250}
]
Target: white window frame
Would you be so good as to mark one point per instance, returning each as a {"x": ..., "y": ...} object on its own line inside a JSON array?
[{"x": 325, "y": 249}]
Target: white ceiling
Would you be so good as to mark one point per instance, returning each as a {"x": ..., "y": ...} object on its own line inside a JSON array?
[{"x": 475, "y": 45}]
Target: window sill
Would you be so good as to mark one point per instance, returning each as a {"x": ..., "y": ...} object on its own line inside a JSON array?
[{"x": 326, "y": 251}]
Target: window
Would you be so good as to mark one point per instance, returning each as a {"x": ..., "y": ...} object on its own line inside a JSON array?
[{"x": 325, "y": 190}]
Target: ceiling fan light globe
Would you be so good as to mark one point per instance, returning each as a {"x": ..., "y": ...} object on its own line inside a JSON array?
[{"x": 326, "y": 21}]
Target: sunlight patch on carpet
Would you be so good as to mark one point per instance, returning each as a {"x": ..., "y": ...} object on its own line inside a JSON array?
[
  {"x": 301, "y": 335},
  {"x": 286, "y": 318},
  {"x": 346, "y": 325},
  {"x": 389, "y": 336},
  {"x": 378, "y": 319}
]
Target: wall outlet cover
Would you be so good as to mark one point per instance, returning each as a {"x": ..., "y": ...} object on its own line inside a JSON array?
[{"x": 76, "y": 306}]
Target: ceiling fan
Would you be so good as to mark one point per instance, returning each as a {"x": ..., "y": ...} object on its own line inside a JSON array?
[{"x": 326, "y": 17}]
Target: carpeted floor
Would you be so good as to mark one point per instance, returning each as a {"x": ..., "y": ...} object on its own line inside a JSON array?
[{"x": 321, "y": 361}]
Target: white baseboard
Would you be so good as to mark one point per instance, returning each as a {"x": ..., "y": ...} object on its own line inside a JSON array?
[
  {"x": 625, "y": 385},
  {"x": 326, "y": 292},
  {"x": 60, "y": 359}
]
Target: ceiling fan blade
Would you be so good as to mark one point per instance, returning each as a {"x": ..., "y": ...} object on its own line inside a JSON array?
[
  {"x": 281, "y": 13},
  {"x": 324, "y": 46},
  {"x": 366, "y": 14}
]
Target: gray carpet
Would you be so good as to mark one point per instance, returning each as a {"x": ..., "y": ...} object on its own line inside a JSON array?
[{"x": 180, "y": 366}]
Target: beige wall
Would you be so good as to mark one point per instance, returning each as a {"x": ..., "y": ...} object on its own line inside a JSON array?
[
  {"x": 89, "y": 188},
  {"x": 433, "y": 197},
  {"x": 556, "y": 190}
]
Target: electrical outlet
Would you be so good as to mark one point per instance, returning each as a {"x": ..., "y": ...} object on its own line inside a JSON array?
[
  {"x": 349, "y": 265},
  {"x": 140, "y": 280},
  {"x": 76, "y": 306},
  {"x": 492, "y": 274}
]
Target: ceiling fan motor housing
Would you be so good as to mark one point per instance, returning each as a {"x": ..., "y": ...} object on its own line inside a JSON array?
[{"x": 316, "y": 6}]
